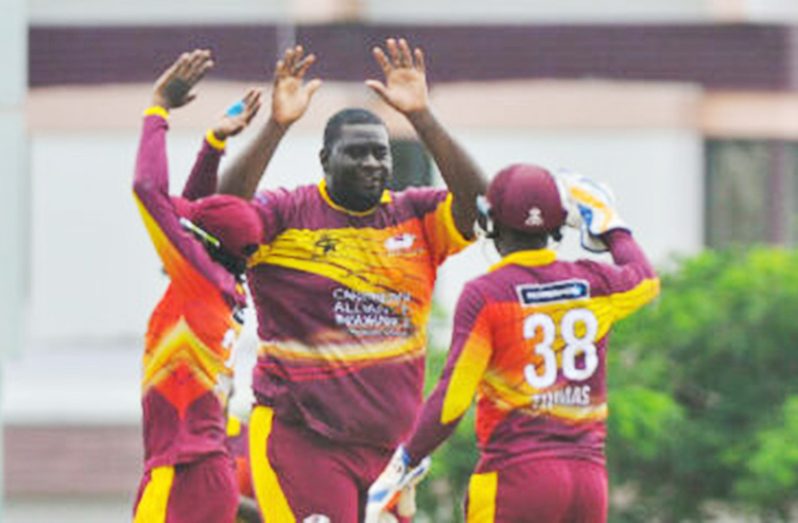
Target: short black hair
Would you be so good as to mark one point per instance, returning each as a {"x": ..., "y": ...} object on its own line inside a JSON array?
[
  {"x": 350, "y": 116},
  {"x": 535, "y": 240}
]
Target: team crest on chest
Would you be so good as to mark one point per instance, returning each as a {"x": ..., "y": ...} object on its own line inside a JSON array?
[
  {"x": 325, "y": 245},
  {"x": 535, "y": 218}
]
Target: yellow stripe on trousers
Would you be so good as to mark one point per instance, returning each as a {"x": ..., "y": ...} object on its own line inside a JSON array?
[
  {"x": 271, "y": 498},
  {"x": 482, "y": 497},
  {"x": 154, "y": 500}
]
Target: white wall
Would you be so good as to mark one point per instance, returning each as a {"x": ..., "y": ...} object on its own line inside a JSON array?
[
  {"x": 153, "y": 12},
  {"x": 441, "y": 11},
  {"x": 538, "y": 11},
  {"x": 95, "y": 277},
  {"x": 656, "y": 176}
]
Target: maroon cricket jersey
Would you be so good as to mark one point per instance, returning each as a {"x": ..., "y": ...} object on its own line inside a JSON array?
[
  {"x": 186, "y": 375},
  {"x": 343, "y": 300},
  {"x": 530, "y": 341}
]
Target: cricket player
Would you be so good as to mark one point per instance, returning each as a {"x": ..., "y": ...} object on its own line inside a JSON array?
[
  {"x": 530, "y": 341},
  {"x": 203, "y": 245},
  {"x": 342, "y": 285}
]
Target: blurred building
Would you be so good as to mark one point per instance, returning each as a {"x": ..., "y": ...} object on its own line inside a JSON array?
[{"x": 688, "y": 108}]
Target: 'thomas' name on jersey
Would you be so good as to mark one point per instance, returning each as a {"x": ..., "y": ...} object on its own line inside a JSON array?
[{"x": 530, "y": 341}]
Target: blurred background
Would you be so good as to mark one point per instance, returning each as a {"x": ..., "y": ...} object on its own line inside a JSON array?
[{"x": 687, "y": 108}]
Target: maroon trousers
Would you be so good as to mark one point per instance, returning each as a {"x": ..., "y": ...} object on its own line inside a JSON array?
[
  {"x": 318, "y": 479},
  {"x": 539, "y": 491},
  {"x": 204, "y": 491}
]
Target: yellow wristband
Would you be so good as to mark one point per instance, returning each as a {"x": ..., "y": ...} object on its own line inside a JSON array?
[
  {"x": 157, "y": 110},
  {"x": 214, "y": 142}
]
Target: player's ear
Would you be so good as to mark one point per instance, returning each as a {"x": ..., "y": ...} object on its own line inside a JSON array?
[{"x": 324, "y": 158}]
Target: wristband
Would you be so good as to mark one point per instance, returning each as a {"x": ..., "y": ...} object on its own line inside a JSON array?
[
  {"x": 157, "y": 110},
  {"x": 214, "y": 142}
]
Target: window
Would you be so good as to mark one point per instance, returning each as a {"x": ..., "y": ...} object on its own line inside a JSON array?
[
  {"x": 412, "y": 166},
  {"x": 752, "y": 192}
]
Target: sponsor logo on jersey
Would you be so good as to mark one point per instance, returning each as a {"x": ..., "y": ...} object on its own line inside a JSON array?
[
  {"x": 400, "y": 242},
  {"x": 553, "y": 292}
]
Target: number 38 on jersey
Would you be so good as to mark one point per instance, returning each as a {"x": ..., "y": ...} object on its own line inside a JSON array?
[{"x": 578, "y": 329}]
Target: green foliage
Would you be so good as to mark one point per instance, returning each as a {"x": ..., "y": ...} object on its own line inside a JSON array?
[
  {"x": 712, "y": 364},
  {"x": 703, "y": 398},
  {"x": 771, "y": 475}
]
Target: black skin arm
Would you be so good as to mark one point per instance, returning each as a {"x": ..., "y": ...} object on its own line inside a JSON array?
[
  {"x": 291, "y": 97},
  {"x": 405, "y": 89},
  {"x": 464, "y": 179}
]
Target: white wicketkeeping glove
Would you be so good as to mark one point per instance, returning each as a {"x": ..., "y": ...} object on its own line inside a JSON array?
[
  {"x": 565, "y": 179},
  {"x": 386, "y": 517},
  {"x": 395, "y": 487},
  {"x": 596, "y": 205}
]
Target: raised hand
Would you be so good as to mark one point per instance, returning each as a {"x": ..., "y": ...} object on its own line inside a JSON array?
[
  {"x": 291, "y": 95},
  {"x": 238, "y": 116},
  {"x": 596, "y": 206},
  {"x": 405, "y": 87},
  {"x": 174, "y": 87}
]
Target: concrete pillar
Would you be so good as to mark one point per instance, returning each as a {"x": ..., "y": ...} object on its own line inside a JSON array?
[{"x": 13, "y": 181}]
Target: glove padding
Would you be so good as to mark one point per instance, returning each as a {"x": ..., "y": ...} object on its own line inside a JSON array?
[
  {"x": 405, "y": 507},
  {"x": 395, "y": 487},
  {"x": 595, "y": 204}
]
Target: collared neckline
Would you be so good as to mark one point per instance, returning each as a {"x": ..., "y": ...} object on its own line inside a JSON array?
[
  {"x": 385, "y": 198},
  {"x": 530, "y": 258}
]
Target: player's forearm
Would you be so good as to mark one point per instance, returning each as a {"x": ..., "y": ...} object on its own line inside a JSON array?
[
  {"x": 204, "y": 176},
  {"x": 242, "y": 177},
  {"x": 151, "y": 177},
  {"x": 625, "y": 251},
  {"x": 463, "y": 177},
  {"x": 430, "y": 432}
]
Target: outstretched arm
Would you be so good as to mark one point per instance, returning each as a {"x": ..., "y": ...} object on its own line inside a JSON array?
[
  {"x": 181, "y": 254},
  {"x": 405, "y": 89},
  {"x": 632, "y": 279},
  {"x": 290, "y": 99},
  {"x": 172, "y": 89},
  {"x": 204, "y": 178}
]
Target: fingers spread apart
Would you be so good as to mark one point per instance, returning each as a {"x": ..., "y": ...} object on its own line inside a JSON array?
[
  {"x": 399, "y": 56},
  {"x": 294, "y": 62}
]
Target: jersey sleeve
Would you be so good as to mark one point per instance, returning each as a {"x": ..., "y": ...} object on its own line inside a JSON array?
[
  {"x": 632, "y": 280},
  {"x": 272, "y": 207},
  {"x": 434, "y": 209},
  {"x": 204, "y": 175},
  {"x": 184, "y": 258},
  {"x": 469, "y": 356}
]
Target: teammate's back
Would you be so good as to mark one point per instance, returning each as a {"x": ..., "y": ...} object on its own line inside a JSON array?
[
  {"x": 543, "y": 393},
  {"x": 530, "y": 340}
]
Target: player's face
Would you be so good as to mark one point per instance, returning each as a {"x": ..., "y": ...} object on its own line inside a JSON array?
[{"x": 358, "y": 165}]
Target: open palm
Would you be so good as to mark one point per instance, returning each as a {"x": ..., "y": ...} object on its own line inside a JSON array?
[
  {"x": 405, "y": 87},
  {"x": 174, "y": 87},
  {"x": 291, "y": 94},
  {"x": 239, "y": 115}
]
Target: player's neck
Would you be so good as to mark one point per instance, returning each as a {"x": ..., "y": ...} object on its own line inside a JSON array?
[{"x": 509, "y": 242}]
